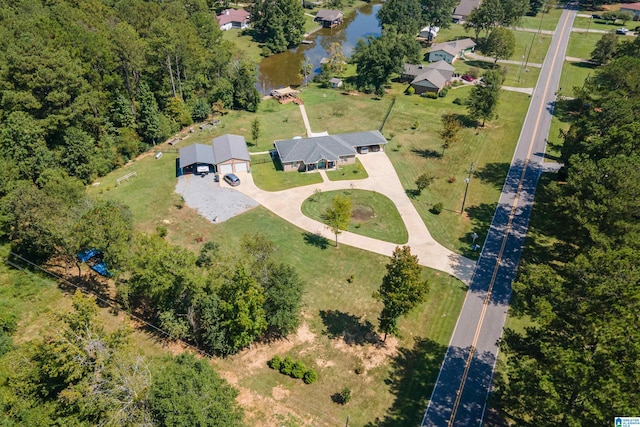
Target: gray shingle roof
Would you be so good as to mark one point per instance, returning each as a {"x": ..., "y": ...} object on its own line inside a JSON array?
[
  {"x": 438, "y": 73},
  {"x": 464, "y": 8},
  {"x": 330, "y": 147},
  {"x": 453, "y": 47},
  {"x": 229, "y": 146},
  {"x": 196, "y": 153},
  {"x": 328, "y": 15}
]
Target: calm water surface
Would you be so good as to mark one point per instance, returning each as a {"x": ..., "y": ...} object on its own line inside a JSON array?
[{"x": 283, "y": 69}]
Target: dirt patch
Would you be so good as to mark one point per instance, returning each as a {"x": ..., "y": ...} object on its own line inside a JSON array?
[
  {"x": 279, "y": 392},
  {"x": 361, "y": 213},
  {"x": 324, "y": 363},
  {"x": 370, "y": 355}
]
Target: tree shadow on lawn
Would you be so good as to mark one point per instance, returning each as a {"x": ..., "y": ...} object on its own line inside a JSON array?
[
  {"x": 481, "y": 64},
  {"x": 316, "y": 240},
  {"x": 427, "y": 153},
  {"x": 413, "y": 374},
  {"x": 493, "y": 173},
  {"x": 348, "y": 327}
]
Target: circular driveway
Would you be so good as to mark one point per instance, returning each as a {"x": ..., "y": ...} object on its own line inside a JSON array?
[{"x": 212, "y": 200}]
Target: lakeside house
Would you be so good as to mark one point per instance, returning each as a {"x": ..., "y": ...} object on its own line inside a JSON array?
[
  {"x": 329, "y": 18},
  {"x": 464, "y": 9},
  {"x": 233, "y": 18}
]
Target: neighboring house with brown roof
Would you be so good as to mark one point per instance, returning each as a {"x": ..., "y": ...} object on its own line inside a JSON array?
[
  {"x": 432, "y": 78},
  {"x": 451, "y": 51},
  {"x": 464, "y": 9},
  {"x": 233, "y": 18},
  {"x": 329, "y": 18},
  {"x": 632, "y": 8},
  {"x": 326, "y": 152}
]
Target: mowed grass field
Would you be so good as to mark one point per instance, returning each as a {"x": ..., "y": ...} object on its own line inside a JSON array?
[
  {"x": 544, "y": 21},
  {"x": 582, "y": 44},
  {"x": 373, "y": 214}
]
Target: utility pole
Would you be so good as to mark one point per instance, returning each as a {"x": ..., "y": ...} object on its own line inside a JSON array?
[
  {"x": 522, "y": 63},
  {"x": 467, "y": 180}
]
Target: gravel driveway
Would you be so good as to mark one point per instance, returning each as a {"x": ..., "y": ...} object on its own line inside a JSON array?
[{"x": 210, "y": 199}]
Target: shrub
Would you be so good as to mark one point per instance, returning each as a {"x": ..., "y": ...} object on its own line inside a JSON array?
[
  {"x": 437, "y": 208},
  {"x": 287, "y": 366},
  {"x": 161, "y": 230},
  {"x": 443, "y": 92},
  {"x": 411, "y": 90},
  {"x": 474, "y": 72},
  {"x": 275, "y": 362},
  {"x": 359, "y": 369},
  {"x": 351, "y": 278},
  {"x": 430, "y": 95},
  {"x": 310, "y": 377},
  {"x": 298, "y": 370},
  {"x": 344, "y": 396},
  {"x": 458, "y": 101}
]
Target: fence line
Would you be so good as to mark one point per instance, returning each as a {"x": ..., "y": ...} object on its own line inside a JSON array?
[{"x": 384, "y": 121}]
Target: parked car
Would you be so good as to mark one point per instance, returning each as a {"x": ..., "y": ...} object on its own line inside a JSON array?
[
  {"x": 232, "y": 179},
  {"x": 596, "y": 16},
  {"x": 622, "y": 31},
  {"x": 467, "y": 78},
  {"x": 363, "y": 150}
]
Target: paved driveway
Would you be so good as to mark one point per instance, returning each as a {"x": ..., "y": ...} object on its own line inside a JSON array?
[{"x": 383, "y": 179}]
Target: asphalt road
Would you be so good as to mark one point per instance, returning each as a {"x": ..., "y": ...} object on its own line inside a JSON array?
[{"x": 461, "y": 390}]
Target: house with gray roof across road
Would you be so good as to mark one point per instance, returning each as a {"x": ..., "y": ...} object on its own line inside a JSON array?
[{"x": 326, "y": 152}]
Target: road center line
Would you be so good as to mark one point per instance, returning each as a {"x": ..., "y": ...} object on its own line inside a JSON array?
[{"x": 506, "y": 234}]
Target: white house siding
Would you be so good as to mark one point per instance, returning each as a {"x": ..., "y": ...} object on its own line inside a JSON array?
[{"x": 441, "y": 55}]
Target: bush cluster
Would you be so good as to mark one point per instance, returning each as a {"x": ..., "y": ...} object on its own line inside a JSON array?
[{"x": 293, "y": 368}]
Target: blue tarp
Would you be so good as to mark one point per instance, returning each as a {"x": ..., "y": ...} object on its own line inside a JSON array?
[
  {"x": 101, "y": 269},
  {"x": 87, "y": 254}
]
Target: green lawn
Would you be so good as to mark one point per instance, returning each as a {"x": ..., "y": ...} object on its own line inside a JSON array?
[
  {"x": 333, "y": 308},
  {"x": 543, "y": 21},
  {"x": 277, "y": 121},
  {"x": 600, "y": 24},
  {"x": 373, "y": 214},
  {"x": 582, "y": 44},
  {"x": 574, "y": 75},
  {"x": 348, "y": 172},
  {"x": 269, "y": 176},
  {"x": 528, "y": 77},
  {"x": 455, "y": 31},
  {"x": 414, "y": 152},
  {"x": 536, "y": 46}
]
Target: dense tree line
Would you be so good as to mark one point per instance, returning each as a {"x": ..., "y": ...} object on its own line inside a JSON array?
[
  {"x": 85, "y": 86},
  {"x": 409, "y": 16},
  {"x": 81, "y": 375},
  {"x": 577, "y": 364},
  {"x": 279, "y": 24}
]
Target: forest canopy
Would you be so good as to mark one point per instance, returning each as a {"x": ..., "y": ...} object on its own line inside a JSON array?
[{"x": 86, "y": 86}]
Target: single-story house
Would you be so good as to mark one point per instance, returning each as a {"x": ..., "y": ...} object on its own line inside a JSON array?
[
  {"x": 335, "y": 82},
  {"x": 329, "y": 18},
  {"x": 451, "y": 51},
  {"x": 233, "y": 18},
  {"x": 429, "y": 33},
  {"x": 632, "y": 8},
  {"x": 432, "y": 78},
  {"x": 464, "y": 9},
  {"x": 326, "y": 152},
  {"x": 226, "y": 154}
]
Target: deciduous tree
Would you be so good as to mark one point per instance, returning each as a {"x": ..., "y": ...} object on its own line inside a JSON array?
[
  {"x": 450, "y": 132},
  {"x": 337, "y": 215},
  {"x": 605, "y": 48},
  {"x": 500, "y": 44},
  {"x": 401, "y": 290},
  {"x": 483, "y": 99}
]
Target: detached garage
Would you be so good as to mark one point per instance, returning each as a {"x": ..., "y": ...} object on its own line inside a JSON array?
[
  {"x": 226, "y": 154},
  {"x": 231, "y": 154}
]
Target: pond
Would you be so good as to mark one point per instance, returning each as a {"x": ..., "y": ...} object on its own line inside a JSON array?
[{"x": 283, "y": 69}]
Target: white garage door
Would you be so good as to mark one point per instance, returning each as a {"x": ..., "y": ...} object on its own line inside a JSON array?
[
  {"x": 224, "y": 169},
  {"x": 241, "y": 167}
]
